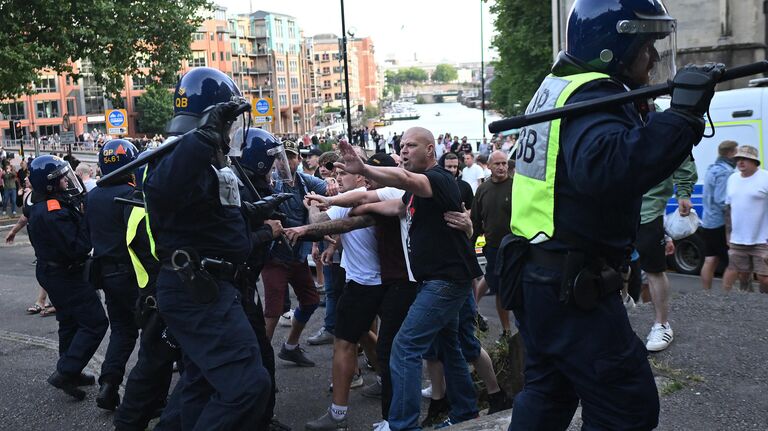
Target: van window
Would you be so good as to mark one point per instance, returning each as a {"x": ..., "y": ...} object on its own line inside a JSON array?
[{"x": 745, "y": 132}]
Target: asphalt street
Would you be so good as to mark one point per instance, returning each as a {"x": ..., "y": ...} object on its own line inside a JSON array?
[{"x": 721, "y": 342}]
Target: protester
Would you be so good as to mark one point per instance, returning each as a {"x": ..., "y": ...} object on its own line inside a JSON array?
[
  {"x": 747, "y": 220},
  {"x": 713, "y": 221}
]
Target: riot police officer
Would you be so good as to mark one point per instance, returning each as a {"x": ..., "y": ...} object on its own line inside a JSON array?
[
  {"x": 201, "y": 237},
  {"x": 146, "y": 388},
  {"x": 112, "y": 270},
  {"x": 59, "y": 235},
  {"x": 262, "y": 155},
  {"x": 576, "y": 200}
]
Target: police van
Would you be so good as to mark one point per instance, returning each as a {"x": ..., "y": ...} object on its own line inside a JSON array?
[{"x": 737, "y": 116}]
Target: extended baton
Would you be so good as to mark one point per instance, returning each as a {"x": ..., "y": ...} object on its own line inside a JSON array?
[
  {"x": 617, "y": 99},
  {"x": 165, "y": 148}
]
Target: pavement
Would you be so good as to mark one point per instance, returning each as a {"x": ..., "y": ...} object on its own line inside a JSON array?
[{"x": 711, "y": 378}]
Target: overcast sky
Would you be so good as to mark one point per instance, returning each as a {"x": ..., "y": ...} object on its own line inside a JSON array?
[{"x": 433, "y": 30}]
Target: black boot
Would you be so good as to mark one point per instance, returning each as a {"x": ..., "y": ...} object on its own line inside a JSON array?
[
  {"x": 438, "y": 409},
  {"x": 108, "y": 398},
  {"x": 85, "y": 379},
  {"x": 68, "y": 384},
  {"x": 498, "y": 402}
]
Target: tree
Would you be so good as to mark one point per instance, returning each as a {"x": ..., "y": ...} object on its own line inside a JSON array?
[
  {"x": 156, "y": 107},
  {"x": 115, "y": 37},
  {"x": 523, "y": 40},
  {"x": 445, "y": 73}
]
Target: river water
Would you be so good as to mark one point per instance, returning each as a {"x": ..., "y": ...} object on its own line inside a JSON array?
[{"x": 454, "y": 118}]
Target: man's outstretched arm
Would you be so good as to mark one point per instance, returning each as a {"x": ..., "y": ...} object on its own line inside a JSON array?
[{"x": 317, "y": 231}]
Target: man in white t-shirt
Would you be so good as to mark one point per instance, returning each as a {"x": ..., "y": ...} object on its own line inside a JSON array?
[
  {"x": 746, "y": 220},
  {"x": 472, "y": 173}
]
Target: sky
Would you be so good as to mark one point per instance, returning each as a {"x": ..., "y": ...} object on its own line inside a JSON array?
[{"x": 431, "y": 31}]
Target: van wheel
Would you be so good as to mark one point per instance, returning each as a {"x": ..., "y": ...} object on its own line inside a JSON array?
[{"x": 689, "y": 255}]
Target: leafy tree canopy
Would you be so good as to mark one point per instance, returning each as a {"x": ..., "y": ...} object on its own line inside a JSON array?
[
  {"x": 156, "y": 107},
  {"x": 445, "y": 73},
  {"x": 117, "y": 37}
]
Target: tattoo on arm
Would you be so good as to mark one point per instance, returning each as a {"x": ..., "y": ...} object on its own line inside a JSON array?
[
  {"x": 317, "y": 216},
  {"x": 317, "y": 231}
]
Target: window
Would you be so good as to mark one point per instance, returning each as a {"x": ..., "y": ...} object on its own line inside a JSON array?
[
  {"x": 229, "y": 56},
  {"x": 279, "y": 28},
  {"x": 328, "y": 96},
  {"x": 317, "y": 57},
  {"x": 293, "y": 66},
  {"x": 221, "y": 37},
  {"x": 93, "y": 95},
  {"x": 46, "y": 84},
  {"x": 47, "y": 109},
  {"x": 71, "y": 107},
  {"x": 280, "y": 64},
  {"x": 48, "y": 130},
  {"x": 326, "y": 84},
  {"x": 212, "y": 36},
  {"x": 139, "y": 82},
  {"x": 136, "y": 106},
  {"x": 198, "y": 35},
  {"x": 281, "y": 83},
  {"x": 283, "y": 100},
  {"x": 326, "y": 71},
  {"x": 13, "y": 111},
  {"x": 294, "y": 99},
  {"x": 234, "y": 67},
  {"x": 198, "y": 59},
  {"x": 280, "y": 48},
  {"x": 326, "y": 56},
  {"x": 213, "y": 56},
  {"x": 291, "y": 29},
  {"x": 294, "y": 82}
]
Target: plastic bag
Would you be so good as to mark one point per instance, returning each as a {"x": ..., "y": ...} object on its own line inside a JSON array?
[{"x": 679, "y": 227}]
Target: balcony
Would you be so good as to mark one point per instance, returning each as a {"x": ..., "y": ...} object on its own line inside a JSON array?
[{"x": 258, "y": 52}]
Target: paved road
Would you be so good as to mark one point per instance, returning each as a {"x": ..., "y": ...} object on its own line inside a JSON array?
[{"x": 719, "y": 351}]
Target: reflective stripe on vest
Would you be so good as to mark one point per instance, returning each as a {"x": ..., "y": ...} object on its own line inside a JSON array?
[
  {"x": 137, "y": 215},
  {"x": 533, "y": 191}
]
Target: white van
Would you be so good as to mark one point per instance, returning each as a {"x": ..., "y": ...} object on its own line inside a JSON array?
[{"x": 737, "y": 116}]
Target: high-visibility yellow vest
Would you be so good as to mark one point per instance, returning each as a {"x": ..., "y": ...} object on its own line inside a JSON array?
[
  {"x": 533, "y": 191},
  {"x": 137, "y": 215}
]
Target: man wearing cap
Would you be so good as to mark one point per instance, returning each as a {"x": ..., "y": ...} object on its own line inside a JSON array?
[
  {"x": 746, "y": 220},
  {"x": 288, "y": 264},
  {"x": 713, "y": 219},
  {"x": 311, "y": 164}
]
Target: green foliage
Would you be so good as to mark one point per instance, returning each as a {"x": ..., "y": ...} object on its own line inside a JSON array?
[
  {"x": 445, "y": 73},
  {"x": 331, "y": 109},
  {"x": 371, "y": 111},
  {"x": 524, "y": 41},
  {"x": 420, "y": 100},
  {"x": 156, "y": 107},
  {"x": 327, "y": 145},
  {"x": 117, "y": 37},
  {"x": 407, "y": 74}
]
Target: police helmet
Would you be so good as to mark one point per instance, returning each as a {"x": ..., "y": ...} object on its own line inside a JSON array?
[
  {"x": 263, "y": 152},
  {"x": 198, "y": 89},
  {"x": 607, "y": 35},
  {"x": 50, "y": 175},
  {"x": 116, "y": 154}
]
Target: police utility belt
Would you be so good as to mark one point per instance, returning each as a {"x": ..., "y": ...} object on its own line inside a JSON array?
[
  {"x": 199, "y": 274},
  {"x": 586, "y": 279}
]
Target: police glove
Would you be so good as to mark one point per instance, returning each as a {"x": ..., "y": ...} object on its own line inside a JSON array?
[
  {"x": 214, "y": 126},
  {"x": 693, "y": 87}
]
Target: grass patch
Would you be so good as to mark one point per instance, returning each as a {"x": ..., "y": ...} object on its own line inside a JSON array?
[{"x": 677, "y": 378}]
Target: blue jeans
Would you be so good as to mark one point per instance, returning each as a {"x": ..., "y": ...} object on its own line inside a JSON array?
[
  {"x": 468, "y": 342},
  {"x": 333, "y": 284},
  {"x": 9, "y": 200},
  {"x": 434, "y": 315}
]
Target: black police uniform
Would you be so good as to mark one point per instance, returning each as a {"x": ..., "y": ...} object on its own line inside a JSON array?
[
  {"x": 113, "y": 273},
  {"x": 146, "y": 388},
  {"x": 58, "y": 233},
  {"x": 193, "y": 204}
]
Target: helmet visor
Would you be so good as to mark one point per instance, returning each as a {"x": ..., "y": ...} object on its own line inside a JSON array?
[
  {"x": 69, "y": 184},
  {"x": 281, "y": 170},
  {"x": 237, "y": 131},
  {"x": 653, "y": 59}
]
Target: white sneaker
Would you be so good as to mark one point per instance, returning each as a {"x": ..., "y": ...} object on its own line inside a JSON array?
[
  {"x": 357, "y": 380},
  {"x": 285, "y": 319},
  {"x": 659, "y": 338},
  {"x": 427, "y": 392},
  {"x": 381, "y": 426}
]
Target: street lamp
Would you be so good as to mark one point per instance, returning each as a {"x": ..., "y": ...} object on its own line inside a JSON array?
[{"x": 346, "y": 70}]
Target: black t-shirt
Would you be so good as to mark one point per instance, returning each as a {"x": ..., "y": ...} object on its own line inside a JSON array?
[
  {"x": 466, "y": 148},
  {"x": 466, "y": 193},
  {"x": 436, "y": 251}
]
